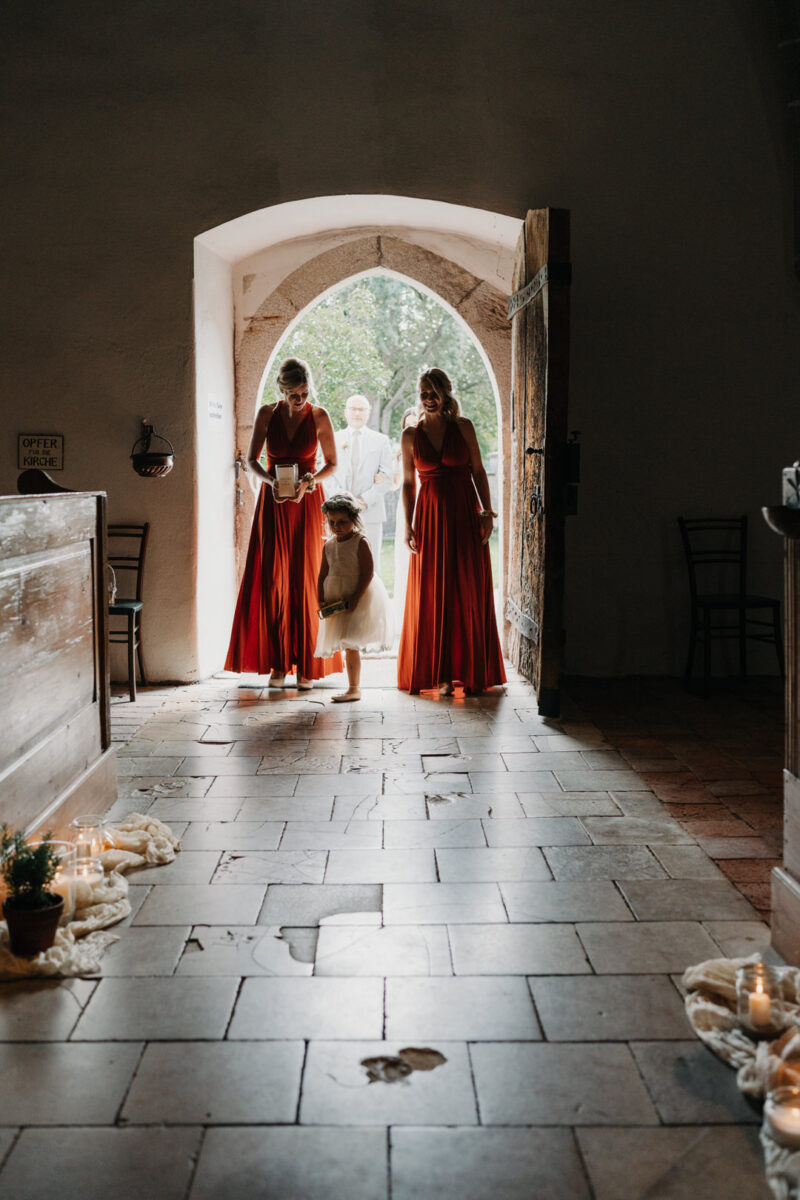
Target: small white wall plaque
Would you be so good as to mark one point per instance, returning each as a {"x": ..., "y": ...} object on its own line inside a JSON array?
[{"x": 44, "y": 450}]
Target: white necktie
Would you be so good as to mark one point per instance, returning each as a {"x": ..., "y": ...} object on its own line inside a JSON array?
[{"x": 355, "y": 455}]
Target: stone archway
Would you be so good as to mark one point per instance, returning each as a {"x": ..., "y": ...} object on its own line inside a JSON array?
[{"x": 476, "y": 302}]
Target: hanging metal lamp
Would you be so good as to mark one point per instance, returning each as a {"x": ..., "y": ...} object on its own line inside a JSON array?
[{"x": 151, "y": 463}]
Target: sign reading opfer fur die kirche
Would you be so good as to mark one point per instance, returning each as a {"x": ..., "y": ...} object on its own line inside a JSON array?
[{"x": 44, "y": 450}]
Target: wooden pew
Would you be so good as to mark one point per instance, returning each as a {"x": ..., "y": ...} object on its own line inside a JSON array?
[{"x": 55, "y": 740}]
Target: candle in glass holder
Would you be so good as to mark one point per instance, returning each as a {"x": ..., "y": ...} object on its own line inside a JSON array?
[
  {"x": 63, "y": 882},
  {"x": 759, "y": 999},
  {"x": 89, "y": 835},
  {"x": 759, "y": 1007},
  {"x": 89, "y": 871},
  {"x": 782, "y": 1115}
]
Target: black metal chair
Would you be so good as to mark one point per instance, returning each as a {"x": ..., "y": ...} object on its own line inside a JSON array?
[
  {"x": 716, "y": 551},
  {"x": 127, "y": 546}
]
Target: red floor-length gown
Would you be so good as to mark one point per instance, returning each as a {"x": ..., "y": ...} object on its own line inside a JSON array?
[
  {"x": 449, "y": 627},
  {"x": 275, "y": 623}
]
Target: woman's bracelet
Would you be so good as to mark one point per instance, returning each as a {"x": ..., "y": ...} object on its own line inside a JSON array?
[
  {"x": 487, "y": 512},
  {"x": 310, "y": 481}
]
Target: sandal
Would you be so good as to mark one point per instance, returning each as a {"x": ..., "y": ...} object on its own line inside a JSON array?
[{"x": 276, "y": 680}]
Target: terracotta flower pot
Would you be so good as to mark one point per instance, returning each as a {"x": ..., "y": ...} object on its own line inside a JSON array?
[{"x": 31, "y": 930}]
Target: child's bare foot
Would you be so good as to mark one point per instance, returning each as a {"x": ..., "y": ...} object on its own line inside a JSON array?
[
  {"x": 445, "y": 689},
  {"x": 276, "y": 680},
  {"x": 352, "y": 693}
]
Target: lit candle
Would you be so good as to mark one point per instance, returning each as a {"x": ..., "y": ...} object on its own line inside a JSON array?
[
  {"x": 90, "y": 872},
  {"x": 63, "y": 884},
  {"x": 88, "y": 835},
  {"x": 783, "y": 1116},
  {"x": 758, "y": 1007}
]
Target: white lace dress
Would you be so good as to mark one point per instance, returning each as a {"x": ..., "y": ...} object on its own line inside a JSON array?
[{"x": 370, "y": 626}]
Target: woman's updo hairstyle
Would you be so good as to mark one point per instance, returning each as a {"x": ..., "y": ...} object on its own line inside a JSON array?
[
  {"x": 405, "y": 419},
  {"x": 441, "y": 384},
  {"x": 345, "y": 503},
  {"x": 292, "y": 373}
]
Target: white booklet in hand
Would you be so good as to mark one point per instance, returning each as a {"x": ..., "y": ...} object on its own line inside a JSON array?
[{"x": 286, "y": 479}]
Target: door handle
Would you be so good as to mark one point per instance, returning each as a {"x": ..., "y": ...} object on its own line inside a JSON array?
[{"x": 239, "y": 466}]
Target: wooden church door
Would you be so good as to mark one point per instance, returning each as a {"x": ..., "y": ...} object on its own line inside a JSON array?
[{"x": 540, "y": 479}]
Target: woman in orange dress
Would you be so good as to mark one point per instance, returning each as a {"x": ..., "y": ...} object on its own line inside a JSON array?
[
  {"x": 449, "y": 628},
  {"x": 275, "y": 624}
]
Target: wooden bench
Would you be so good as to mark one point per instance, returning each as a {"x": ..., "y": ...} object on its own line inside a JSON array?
[{"x": 55, "y": 742}]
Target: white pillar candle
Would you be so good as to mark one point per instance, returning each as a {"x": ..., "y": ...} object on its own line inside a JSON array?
[
  {"x": 758, "y": 1007},
  {"x": 63, "y": 884}
]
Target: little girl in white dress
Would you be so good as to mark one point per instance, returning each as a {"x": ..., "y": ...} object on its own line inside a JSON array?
[{"x": 353, "y": 603}]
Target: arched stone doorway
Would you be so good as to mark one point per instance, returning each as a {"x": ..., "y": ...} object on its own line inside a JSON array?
[
  {"x": 480, "y": 308},
  {"x": 254, "y": 275}
]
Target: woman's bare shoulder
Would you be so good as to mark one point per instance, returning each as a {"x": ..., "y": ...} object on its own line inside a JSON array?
[
  {"x": 467, "y": 430},
  {"x": 320, "y": 414}
]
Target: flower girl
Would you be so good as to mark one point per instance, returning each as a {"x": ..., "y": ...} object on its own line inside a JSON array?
[{"x": 353, "y": 603}]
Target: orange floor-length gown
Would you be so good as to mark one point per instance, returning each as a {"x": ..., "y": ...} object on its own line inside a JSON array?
[
  {"x": 449, "y": 626},
  {"x": 275, "y": 623}
]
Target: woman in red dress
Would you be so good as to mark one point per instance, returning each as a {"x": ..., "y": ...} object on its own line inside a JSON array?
[
  {"x": 275, "y": 623},
  {"x": 449, "y": 628}
]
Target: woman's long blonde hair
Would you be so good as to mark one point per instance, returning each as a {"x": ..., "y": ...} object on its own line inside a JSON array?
[
  {"x": 291, "y": 374},
  {"x": 440, "y": 382}
]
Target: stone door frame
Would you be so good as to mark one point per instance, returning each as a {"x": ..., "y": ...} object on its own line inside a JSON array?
[{"x": 481, "y": 307}]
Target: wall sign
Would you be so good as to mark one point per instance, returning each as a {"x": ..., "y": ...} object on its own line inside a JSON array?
[{"x": 45, "y": 450}]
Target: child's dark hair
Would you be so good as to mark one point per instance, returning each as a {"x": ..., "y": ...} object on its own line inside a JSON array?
[{"x": 344, "y": 503}]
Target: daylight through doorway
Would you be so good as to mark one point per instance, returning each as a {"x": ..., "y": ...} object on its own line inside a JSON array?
[{"x": 372, "y": 336}]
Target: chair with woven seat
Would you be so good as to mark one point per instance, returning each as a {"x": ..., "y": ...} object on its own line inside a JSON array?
[
  {"x": 127, "y": 546},
  {"x": 716, "y": 554}
]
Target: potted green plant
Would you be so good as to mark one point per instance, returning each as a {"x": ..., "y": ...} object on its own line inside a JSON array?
[{"x": 31, "y": 911}]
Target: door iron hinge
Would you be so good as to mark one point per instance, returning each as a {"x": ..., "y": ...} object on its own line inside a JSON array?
[
  {"x": 559, "y": 273},
  {"x": 522, "y": 621}
]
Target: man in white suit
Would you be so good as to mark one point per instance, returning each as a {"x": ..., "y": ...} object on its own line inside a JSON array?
[{"x": 363, "y": 468}]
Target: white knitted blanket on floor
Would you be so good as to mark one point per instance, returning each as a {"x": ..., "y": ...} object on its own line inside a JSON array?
[
  {"x": 711, "y": 1009},
  {"x": 139, "y": 841}
]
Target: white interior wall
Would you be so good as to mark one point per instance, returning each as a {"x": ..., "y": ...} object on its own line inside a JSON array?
[
  {"x": 216, "y": 480},
  {"x": 658, "y": 126}
]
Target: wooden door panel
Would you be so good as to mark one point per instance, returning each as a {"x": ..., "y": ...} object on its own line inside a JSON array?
[
  {"x": 50, "y": 603},
  {"x": 539, "y": 309}
]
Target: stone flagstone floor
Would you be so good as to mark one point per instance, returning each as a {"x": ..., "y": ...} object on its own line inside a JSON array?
[
  {"x": 450, "y": 875},
  {"x": 717, "y": 764}
]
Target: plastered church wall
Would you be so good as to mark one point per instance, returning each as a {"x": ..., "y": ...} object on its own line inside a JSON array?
[{"x": 135, "y": 128}]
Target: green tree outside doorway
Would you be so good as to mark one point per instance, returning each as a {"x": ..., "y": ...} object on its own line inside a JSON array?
[{"x": 373, "y": 337}]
